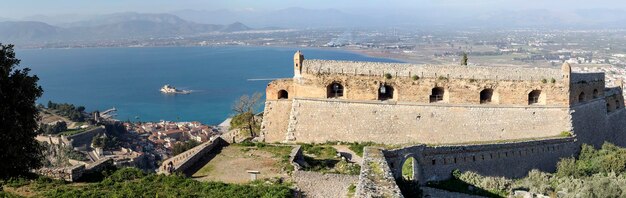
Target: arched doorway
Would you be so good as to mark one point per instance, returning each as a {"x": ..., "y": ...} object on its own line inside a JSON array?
[
  {"x": 595, "y": 94},
  {"x": 408, "y": 169},
  {"x": 385, "y": 92},
  {"x": 437, "y": 94},
  {"x": 534, "y": 97},
  {"x": 485, "y": 96},
  {"x": 334, "y": 90},
  {"x": 283, "y": 94},
  {"x": 581, "y": 97}
]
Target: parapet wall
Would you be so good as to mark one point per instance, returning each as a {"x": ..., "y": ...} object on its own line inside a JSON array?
[
  {"x": 84, "y": 139},
  {"x": 426, "y": 71},
  {"x": 185, "y": 160},
  {"x": 314, "y": 120},
  {"x": 511, "y": 160}
]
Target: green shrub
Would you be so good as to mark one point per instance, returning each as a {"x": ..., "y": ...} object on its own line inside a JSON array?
[
  {"x": 415, "y": 77},
  {"x": 126, "y": 174},
  {"x": 552, "y": 80},
  {"x": 544, "y": 80},
  {"x": 388, "y": 76}
]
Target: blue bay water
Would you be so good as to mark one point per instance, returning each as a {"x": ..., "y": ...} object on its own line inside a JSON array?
[{"x": 129, "y": 79}]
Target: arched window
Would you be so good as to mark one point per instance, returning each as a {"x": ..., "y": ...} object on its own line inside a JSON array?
[
  {"x": 533, "y": 97},
  {"x": 608, "y": 107},
  {"x": 334, "y": 90},
  {"x": 581, "y": 97},
  {"x": 617, "y": 106},
  {"x": 485, "y": 96},
  {"x": 385, "y": 92},
  {"x": 595, "y": 94},
  {"x": 437, "y": 94},
  {"x": 282, "y": 94}
]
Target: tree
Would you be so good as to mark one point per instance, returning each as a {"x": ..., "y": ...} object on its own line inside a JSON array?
[
  {"x": 19, "y": 151},
  {"x": 464, "y": 59},
  {"x": 244, "y": 108}
]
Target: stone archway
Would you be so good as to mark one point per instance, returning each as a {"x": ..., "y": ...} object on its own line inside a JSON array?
[{"x": 408, "y": 168}]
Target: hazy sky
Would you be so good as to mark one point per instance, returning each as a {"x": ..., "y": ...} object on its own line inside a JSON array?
[{"x": 22, "y": 8}]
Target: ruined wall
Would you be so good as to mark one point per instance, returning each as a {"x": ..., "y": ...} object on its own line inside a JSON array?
[
  {"x": 376, "y": 178},
  {"x": 84, "y": 139},
  {"x": 511, "y": 160},
  {"x": 391, "y": 123},
  {"x": 275, "y": 120},
  {"x": 271, "y": 92}
]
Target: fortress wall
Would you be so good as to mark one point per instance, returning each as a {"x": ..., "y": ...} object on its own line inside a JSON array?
[
  {"x": 617, "y": 127},
  {"x": 437, "y": 163},
  {"x": 188, "y": 158},
  {"x": 432, "y": 71},
  {"x": 275, "y": 120},
  {"x": 458, "y": 91},
  {"x": 83, "y": 139},
  {"x": 330, "y": 120}
]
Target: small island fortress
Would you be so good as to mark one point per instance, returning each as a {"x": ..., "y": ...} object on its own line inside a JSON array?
[{"x": 497, "y": 121}]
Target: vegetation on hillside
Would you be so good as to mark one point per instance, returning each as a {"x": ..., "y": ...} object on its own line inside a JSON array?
[
  {"x": 244, "y": 119},
  {"x": 68, "y": 110},
  {"x": 53, "y": 128},
  {"x": 179, "y": 147},
  {"x": 19, "y": 151},
  {"x": 131, "y": 182},
  {"x": 594, "y": 173},
  {"x": 105, "y": 142}
]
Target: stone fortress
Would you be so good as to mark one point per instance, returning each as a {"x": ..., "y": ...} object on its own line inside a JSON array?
[{"x": 497, "y": 121}]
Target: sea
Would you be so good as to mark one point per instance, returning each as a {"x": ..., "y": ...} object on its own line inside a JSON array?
[{"x": 129, "y": 79}]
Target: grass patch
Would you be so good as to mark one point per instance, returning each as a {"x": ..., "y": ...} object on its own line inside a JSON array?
[
  {"x": 357, "y": 147},
  {"x": 351, "y": 190},
  {"x": 280, "y": 152},
  {"x": 319, "y": 150},
  {"x": 74, "y": 131},
  {"x": 130, "y": 182}
]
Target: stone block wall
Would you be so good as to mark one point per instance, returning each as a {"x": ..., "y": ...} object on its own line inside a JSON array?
[
  {"x": 401, "y": 123},
  {"x": 275, "y": 120}
]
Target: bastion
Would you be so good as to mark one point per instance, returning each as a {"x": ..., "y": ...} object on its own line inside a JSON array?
[{"x": 496, "y": 121}]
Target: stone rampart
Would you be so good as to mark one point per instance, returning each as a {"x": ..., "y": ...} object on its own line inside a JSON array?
[
  {"x": 84, "y": 139},
  {"x": 511, "y": 160},
  {"x": 275, "y": 120},
  {"x": 428, "y": 71},
  {"x": 71, "y": 173},
  {"x": 183, "y": 161},
  {"x": 314, "y": 120}
]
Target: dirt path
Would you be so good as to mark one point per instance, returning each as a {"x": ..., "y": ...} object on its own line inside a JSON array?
[{"x": 353, "y": 157}]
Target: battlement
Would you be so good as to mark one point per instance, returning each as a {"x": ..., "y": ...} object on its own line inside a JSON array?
[{"x": 315, "y": 67}]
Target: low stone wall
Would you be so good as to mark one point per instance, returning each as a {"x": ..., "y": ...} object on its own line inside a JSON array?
[
  {"x": 376, "y": 178},
  {"x": 296, "y": 158},
  {"x": 70, "y": 174},
  {"x": 183, "y": 161}
]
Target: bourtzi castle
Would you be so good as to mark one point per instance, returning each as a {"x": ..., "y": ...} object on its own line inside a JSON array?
[{"x": 494, "y": 120}]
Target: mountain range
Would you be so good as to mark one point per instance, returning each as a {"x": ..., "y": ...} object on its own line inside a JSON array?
[{"x": 112, "y": 26}]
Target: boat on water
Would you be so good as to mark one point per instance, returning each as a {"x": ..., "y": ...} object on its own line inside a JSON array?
[{"x": 168, "y": 89}]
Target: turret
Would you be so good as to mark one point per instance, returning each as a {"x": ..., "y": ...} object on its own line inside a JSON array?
[
  {"x": 566, "y": 69},
  {"x": 298, "y": 58}
]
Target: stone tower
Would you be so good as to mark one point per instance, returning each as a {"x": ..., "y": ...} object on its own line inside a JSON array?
[
  {"x": 567, "y": 72},
  {"x": 298, "y": 58}
]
